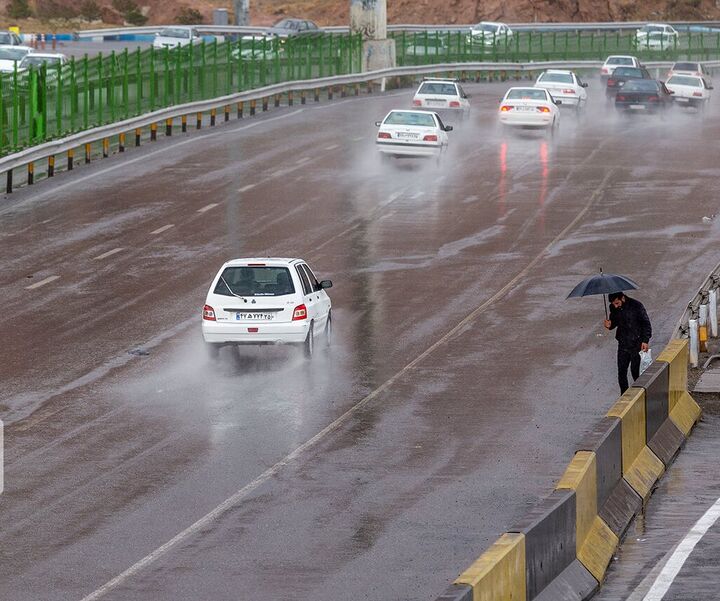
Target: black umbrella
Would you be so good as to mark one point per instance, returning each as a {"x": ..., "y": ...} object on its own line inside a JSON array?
[{"x": 602, "y": 283}]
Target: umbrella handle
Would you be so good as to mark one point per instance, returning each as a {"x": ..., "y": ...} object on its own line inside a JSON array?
[{"x": 605, "y": 305}]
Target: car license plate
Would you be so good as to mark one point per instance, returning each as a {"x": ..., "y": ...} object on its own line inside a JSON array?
[
  {"x": 526, "y": 108},
  {"x": 436, "y": 102},
  {"x": 254, "y": 316},
  {"x": 405, "y": 134},
  {"x": 682, "y": 99},
  {"x": 637, "y": 106}
]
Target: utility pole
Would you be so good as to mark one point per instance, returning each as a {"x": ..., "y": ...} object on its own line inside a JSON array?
[{"x": 242, "y": 12}]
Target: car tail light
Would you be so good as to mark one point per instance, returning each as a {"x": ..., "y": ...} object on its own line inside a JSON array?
[
  {"x": 505, "y": 108},
  {"x": 620, "y": 98},
  {"x": 430, "y": 138},
  {"x": 208, "y": 313},
  {"x": 454, "y": 104},
  {"x": 253, "y": 330},
  {"x": 299, "y": 312},
  {"x": 604, "y": 70},
  {"x": 544, "y": 109},
  {"x": 568, "y": 91},
  {"x": 384, "y": 135},
  {"x": 653, "y": 98},
  {"x": 697, "y": 94},
  {"x": 417, "y": 102},
  {"x": 256, "y": 264},
  {"x": 611, "y": 82}
]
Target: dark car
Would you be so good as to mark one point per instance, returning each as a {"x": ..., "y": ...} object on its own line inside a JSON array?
[
  {"x": 290, "y": 28},
  {"x": 621, "y": 75},
  {"x": 643, "y": 96}
]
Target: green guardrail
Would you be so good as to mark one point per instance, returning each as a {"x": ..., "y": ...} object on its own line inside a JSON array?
[
  {"x": 424, "y": 48},
  {"x": 48, "y": 102}
]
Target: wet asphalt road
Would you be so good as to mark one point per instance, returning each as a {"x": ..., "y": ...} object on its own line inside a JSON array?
[{"x": 458, "y": 383}]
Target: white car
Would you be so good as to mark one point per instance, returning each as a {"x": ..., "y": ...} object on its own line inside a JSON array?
[
  {"x": 412, "y": 134},
  {"x": 689, "y": 90},
  {"x": 11, "y": 56},
  {"x": 442, "y": 95},
  {"x": 35, "y": 59},
  {"x": 266, "y": 301},
  {"x": 565, "y": 86},
  {"x": 613, "y": 62},
  {"x": 488, "y": 33},
  {"x": 656, "y": 31},
  {"x": 688, "y": 68},
  {"x": 175, "y": 37},
  {"x": 529, "y": 108}
]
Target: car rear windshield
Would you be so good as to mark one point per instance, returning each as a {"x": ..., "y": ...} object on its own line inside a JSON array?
[
  {"x": 445, "y": 89},
  {"x": 12, "y": 54},
  {"x": 684, "y": 80},
  {"x": 287, "y": 24},
  {"x": 419, "y": 119},
  {"x": 486, "y": 27},
  {"x": 641, "y": 85},
  {"x": 174, "y": 32},
  {"x": 527, "y": 94},
  {"x": 254, "y": 281},
  {"x": 557, "y": 77},
  {"x": 619, "y": 60},
  {"x": 686, "y": 67},
  {"x": 628, "y": 72},
  {"x": 652, "y": 28},
  {"x": 39, "y": 60}
]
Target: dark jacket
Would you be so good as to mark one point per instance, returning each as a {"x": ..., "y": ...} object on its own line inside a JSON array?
[{"x": 632, "y": 323}]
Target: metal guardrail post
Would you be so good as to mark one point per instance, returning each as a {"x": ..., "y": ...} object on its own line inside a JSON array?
[
  {"x": 713, "y": 312},
  {"x": 694, "y": 342},
  {"x": 702, "y": 327}
]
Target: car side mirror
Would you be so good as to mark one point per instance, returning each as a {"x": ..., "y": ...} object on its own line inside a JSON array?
[
  {"x": 557, "y": 102},
  {"x": 378, "y": 123},
  {"x": 671, "y": 91},
  {"x": 325, "y": 284},
  {"x": 710, "y": 88},
  {"x": 448, "y": 128},
  {"x": 584, "y": 85}
]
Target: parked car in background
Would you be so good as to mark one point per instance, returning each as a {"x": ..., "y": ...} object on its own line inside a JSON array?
[
  {"x": 430, "y": 46},
  {"x": 290, "y": 28},
  {"x": 689, "y": 90},
  {"x": 621, "y": 75},
  {"x": 51, "y": 60},
  {"x": 11, "y": 56},
  {"x": 175, "y": 37},
  {"x": 488, "y": 33},
  {"x": 10, "y": 38},
  {"x": 258, "y": 47},
  {"x": 643, "y": 96},
  {"x": 529, "y": 108},
  {"x": 440, "y": 95},
  {"x": 660, "y": 32},
  {"x": 412, "y": 134},
  {"x": 613, "y": 62},
  {"x": 266, "y": 301},
  {"x": 564, "y": 85}
]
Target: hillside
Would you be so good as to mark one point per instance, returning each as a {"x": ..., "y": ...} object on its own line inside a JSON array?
[{"x": 79, "y": 14}]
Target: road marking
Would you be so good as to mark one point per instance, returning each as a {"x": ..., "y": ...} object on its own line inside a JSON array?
[
  {"x": 302, "y": 160},
  {"x": 109, "y": 253},
  {"x": 246, "y": 188},
  {"x": 358, "y": 138},
  {"x": 333, "y": 147},
  {"x": 673, "y": 566},
  {"x": 233, "y": 500},
  {"x": 47, "y": 280},
  {"x": 206, "y": 208},
  {"x": 162, "y": 229}
]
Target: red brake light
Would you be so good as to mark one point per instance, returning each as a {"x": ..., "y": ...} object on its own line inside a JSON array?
[
  {"x": 299, "y": 312},
  {"x": 430, "y": 138},
  {"x": 384, "y": 135},
  {"x": 208, "y": 313},
  {"x": 611, "y": 82},
  {"x": 604, "y": 70},
  {"x": 505, "y": 108},
  {"x": 454, "y": 104},
  {"x": 256, "y": 265},
  {"x": 544, "y": 109},
  {"x": 417, "y": 102},
  {"x": 697, "y": 94},
  {"x": 653, "y": 98},
  {"x": 568, "y": 91},
  {"x": 619, "y": 97}
]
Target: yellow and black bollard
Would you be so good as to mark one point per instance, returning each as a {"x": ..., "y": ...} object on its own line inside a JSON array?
[
  {"x": 51, "y": 165},
  {"x": 9, "y": 182},
  {"x": 302, "y": 97},
  {"x": 227, "y": 113},
  {"x": 31, "y": 173},
  {"x": 343, "y": 91},
  {"x": 198, "y": 120},
  {"x": 253, "y": 104},
  {"x": 153, "y": 132},
  {"x": 265, "y": 104},
  {"x": 213, "y": 114},
  {"x": 277, "y": 100},
  {"x": 183, "y": 123},
  {"x": 168, "y": 127},
  {"x": 290, "y": 98},
  {"x": 121, "y": 142},
  {"x": 71, "y": 159},
  {"x": 330, "y": 93},
  {"x": 138, "y": 136},
  {"x": 88, "y": 151},
  {"x": 317, "y": 95},
  {"x": 106, "y": 147},
  {"x": 357, "y": 89},
  {"x": 240, "y": 109}
]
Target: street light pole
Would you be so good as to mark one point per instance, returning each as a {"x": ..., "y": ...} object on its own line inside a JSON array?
[{"x": 242, "y": 12}]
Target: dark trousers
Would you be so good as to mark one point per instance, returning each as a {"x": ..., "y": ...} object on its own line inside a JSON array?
[{"x": 625, "y": 358}]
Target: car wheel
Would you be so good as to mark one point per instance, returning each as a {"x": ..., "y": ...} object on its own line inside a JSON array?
[
  {"x": 309, "y": 346},
  {"x": 328, "y": 331},
  {"x": 213, "y": 350}
]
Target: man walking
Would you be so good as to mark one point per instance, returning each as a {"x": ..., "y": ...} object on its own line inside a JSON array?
[{"x": 634, "y": 331}]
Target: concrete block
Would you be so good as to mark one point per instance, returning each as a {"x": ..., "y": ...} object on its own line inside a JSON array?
[{"x": 655, "y": 380}]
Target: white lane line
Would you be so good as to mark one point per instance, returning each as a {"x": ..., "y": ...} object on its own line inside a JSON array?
[
  {"x": 47, "y": 280},
  {"x": 109, "y": 253},
  {"x": 246, "y": 188},
  {"x": 358, "y": 138},
  {"x": 333, "y": 147},
  {"x": 302, "y": 160},
  {"x": 232, "y": 501},
  {"x": 162, "y": 229},
  {"x": 206, "y": 208},
  {"x": 677, "y": 559}
]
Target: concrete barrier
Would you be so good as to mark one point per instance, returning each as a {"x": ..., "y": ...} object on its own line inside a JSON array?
[
  {"x": 682, "y": 408},
  {"x": 498, "y": 574}
]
